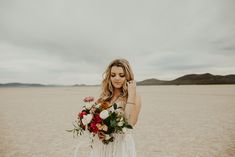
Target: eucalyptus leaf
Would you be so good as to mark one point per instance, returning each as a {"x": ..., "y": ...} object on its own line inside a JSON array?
[
  {"x": 113, "y": 123},
  {"x": 115, "y": 106},
  {"x": 69, "y": 130},
  {"x": 129, "y": 126}
]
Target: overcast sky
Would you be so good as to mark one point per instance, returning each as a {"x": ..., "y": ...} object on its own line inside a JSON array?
[{"x": 72, "y": 41}]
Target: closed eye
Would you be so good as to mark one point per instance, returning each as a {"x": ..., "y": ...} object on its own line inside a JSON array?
[{"x": 121, "y": 75}]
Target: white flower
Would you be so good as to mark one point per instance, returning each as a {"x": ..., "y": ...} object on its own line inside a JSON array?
[
  {"x": 97, "y": 105},
  {"x": 104, "y": 114},
  {"x": 107, "y": 137},
  {"x": 105, "y": 128},
  {"x": 88, "y": 106},
  {"x": 120, "y": 123},
  {"x": 87, "y": 119},
  {"x": 112, "y": 109},
  {"x": 117, "y": 111},
  {"x": 124, "y": 130}
]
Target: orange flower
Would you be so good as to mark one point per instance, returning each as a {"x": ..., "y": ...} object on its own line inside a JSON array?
[
  {"x": 105, "y": 105},
  {"x": 99, "y": 126},
  {"x": 102, "y": 127}
]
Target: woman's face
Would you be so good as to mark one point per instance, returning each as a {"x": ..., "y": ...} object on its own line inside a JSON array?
[{"x": 117, "y": 76}]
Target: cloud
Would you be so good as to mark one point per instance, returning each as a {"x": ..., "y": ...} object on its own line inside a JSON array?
[{"x": 63, "y": 42}]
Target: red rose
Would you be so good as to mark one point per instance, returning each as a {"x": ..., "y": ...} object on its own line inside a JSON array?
[
  {"x": 94, "y": 127},
  {"x": 83, "y": 126},
  {"x": 97, "y": 119},
  {"x": 82, "y": 114}
]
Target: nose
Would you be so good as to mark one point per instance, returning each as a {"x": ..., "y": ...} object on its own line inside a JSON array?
[{"x": 117, "y": 77}]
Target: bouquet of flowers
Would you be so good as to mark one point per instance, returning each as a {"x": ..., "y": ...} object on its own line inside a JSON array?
[{"x": 98, "y": 120}]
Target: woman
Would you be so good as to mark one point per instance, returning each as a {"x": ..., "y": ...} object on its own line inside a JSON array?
[{"x": 118, "y": 86}]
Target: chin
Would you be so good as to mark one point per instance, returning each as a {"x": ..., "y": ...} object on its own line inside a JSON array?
[{"x": 117, "y": 87}]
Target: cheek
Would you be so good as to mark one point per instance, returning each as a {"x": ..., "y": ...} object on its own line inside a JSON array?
[
  {"x": 123, "y": 79},
  {"x": 111, "y": 78}
]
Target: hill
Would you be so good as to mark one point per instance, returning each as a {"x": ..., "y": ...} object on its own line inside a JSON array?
[{"x": 192, "y": 79}]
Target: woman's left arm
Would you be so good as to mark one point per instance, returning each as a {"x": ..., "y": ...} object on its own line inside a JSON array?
[
  {"x": 134, "y": 101},
  {"x": 135, "y": 110}
]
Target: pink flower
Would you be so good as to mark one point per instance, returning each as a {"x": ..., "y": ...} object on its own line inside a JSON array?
[
  {"x": 88, "y": 99},
  {"x": 93, "y": 109}
]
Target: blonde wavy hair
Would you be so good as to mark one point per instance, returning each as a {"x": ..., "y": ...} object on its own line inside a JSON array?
[{"x": 107, "y": 87}]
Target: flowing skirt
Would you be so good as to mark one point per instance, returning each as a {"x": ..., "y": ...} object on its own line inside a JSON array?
[{"x": 122, "y": 146}]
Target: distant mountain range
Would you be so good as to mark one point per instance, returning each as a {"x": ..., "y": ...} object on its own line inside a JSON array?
[
  {"x": 190, "y": 79},
  {"x": 25, "y": 85},
  {"x": 16, "y": 84}
]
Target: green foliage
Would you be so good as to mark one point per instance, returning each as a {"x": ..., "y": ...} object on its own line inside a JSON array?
[
  {"x": 113, "y": 123},
  {"x": 128, "y": 126},
  {"x": 115, "y": 106}
]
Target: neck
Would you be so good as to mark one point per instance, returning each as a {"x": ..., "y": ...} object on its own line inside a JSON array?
[{"x": 116, "y": 92}]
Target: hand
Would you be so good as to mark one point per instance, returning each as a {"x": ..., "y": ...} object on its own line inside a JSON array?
[{"x": 131, "y": 91}]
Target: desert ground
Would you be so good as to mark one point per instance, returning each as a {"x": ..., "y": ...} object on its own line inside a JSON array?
[{"x": 175, "y": 121}]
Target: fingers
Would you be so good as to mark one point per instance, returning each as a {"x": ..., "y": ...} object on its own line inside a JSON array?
[{"x": 131, "y": 82}]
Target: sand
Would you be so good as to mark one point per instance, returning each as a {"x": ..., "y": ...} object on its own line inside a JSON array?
[{"x": 175, "y": 121}]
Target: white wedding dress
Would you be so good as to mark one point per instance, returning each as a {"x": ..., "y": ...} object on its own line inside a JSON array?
[{"x": 122, "y": 146}]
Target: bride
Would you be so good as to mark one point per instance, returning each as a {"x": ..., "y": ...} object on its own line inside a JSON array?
[{"x": 118, "y": 86}]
